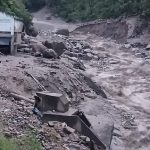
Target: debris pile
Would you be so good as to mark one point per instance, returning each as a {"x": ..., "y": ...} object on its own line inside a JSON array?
[{"x": 59, "y": 84}]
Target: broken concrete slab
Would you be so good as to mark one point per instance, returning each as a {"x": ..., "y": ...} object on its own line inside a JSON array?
[
  {"x": 75, "y": 122},
  {"x": 97, "y": 112},
  {"x": 52, "y": 102},
  {"x": 103, "y": 127}
]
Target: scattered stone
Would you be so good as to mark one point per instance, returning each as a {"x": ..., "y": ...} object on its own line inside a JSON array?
[
  {"x": 27, "y": 50},
  {"x": 68, "y": 129},
  {"x": 127, "y": 46},
  {"x": 79, "y": 46},
  {"x": 89, "y": 95},
  {"x": 87, "y": 51},
  {"x": 85, "y": 138},
  {"x": 51, "y": 124},
  {"x": 7, "y": 134},
  {"x": 139, "y": 45},
  {"x": 148, "y": 47},
  {"x": 31, "y": 126}
]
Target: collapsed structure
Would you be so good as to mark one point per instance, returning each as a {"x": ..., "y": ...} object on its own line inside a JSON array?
[{"x": 11, "y": 29}]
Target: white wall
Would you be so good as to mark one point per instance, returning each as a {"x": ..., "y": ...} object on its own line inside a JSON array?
[{"x": 6, "y": 23}]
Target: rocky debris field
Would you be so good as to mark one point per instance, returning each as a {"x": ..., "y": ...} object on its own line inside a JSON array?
[
  {"x": 106, "y": 78},
  {"x": 57, "y": 64}
]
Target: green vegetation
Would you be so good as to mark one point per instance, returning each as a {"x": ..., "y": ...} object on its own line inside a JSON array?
[
  {"x": 34, "y": 5},
  {"x": 84, "y": 10},
  {"x": 30, "y": 143},
  {"x": 16, "y": 8},
  {"x": 95, "y": 9},
  {"x": 26, "y": 143},
  {"x": 8, "y": 144}
]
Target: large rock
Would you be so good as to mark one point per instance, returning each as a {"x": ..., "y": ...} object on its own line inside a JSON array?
[
  {"x": 38, "y": 47},
  {"x": 103, "y": 127},
  {"x": 48, "y": 44},
  {"x": 63, "y": 32},
  {"x": 49, "y": 53},
  {"x": 59, "y": 47},
  {"x": 32, "y": 31}
]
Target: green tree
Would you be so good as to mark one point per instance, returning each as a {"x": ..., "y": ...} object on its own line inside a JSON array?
[{"x": 93, "y": 9}]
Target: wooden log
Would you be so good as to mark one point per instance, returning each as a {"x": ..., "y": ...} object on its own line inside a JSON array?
[
  {"x": 20, "y": 97},
  {"x": 39, "y": 84}
]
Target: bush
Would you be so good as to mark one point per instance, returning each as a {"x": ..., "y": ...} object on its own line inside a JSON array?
[
  {"x": 26, "y": 143},
  {"x": 95, "y": 9},
  {"x": 8, "y": 144},
  {"x": 16, "y": 8},
  {"x": 34, "y": 5}
]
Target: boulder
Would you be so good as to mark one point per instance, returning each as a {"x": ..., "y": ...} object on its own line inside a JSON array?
[
  {"x": 63, "y": 32},
  {"x": 48, "y": 44},
  {"x": 32, "y": 31},
  {"x": 78, "y": 46},
  {"x": 38, "y": 47},
  {"x": 49, "y": 53},
  {"x": 59, "y": 47}
]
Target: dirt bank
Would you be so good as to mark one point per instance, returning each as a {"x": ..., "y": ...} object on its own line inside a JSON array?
[{"x": 132, "y": 29}]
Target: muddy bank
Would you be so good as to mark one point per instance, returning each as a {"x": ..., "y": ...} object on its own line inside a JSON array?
[{"x": 122, "y": 30}]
